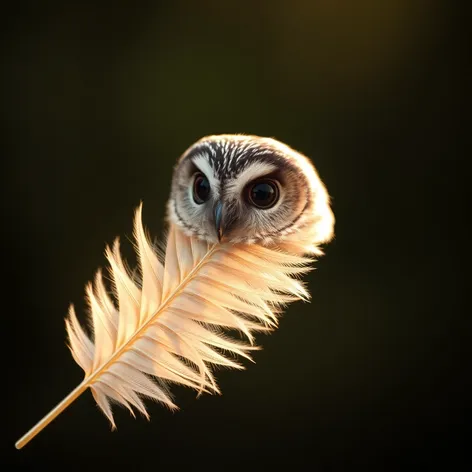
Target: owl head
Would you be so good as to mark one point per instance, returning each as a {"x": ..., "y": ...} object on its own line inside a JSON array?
[{"x": 248, "y": 189}]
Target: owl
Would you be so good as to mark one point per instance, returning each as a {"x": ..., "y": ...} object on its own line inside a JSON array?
[
  {"x": 246, "y": 218},
  {"x": 252, "y": 190}
]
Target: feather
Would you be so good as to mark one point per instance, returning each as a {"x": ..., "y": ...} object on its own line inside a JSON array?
[{"x": 168, "y": 326}]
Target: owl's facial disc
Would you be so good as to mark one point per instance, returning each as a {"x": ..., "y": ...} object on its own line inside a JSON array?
[{"x": 234, "y": 188}]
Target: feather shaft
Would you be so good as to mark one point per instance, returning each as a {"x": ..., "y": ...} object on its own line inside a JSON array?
[{"x": 52, "y": 415}]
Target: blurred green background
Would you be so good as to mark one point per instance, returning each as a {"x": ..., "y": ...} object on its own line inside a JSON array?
[{"x": 98, "y": 103}]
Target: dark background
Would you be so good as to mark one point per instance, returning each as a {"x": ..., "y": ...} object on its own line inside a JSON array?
[{"x": 99, "y": 102}]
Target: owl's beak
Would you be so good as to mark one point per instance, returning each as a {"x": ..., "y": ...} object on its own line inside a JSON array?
[{"x": 218, "y": 212}]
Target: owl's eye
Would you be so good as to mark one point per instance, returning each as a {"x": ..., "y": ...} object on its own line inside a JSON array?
[
  {"x": 201, "y": 188},
  {"x": 263, "y": 194}
]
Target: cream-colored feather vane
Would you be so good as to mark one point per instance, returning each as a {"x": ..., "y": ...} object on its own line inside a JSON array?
[{"x": 167, "y": 325}]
